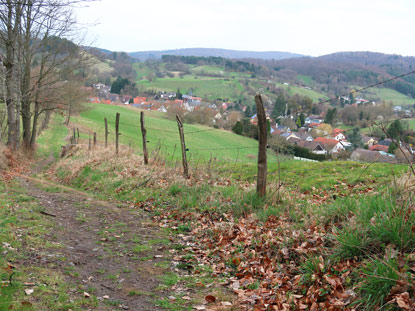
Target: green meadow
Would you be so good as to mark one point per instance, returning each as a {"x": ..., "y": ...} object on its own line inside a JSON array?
[
  {"x": 205, "y": 87},
  {"x": 292, "y": 89},
  {"x": 163, "y": 133}
]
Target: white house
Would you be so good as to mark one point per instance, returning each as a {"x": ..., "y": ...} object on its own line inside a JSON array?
[
  {"x": 339, "y": 137},
  {"x": 162, "y": 109}
]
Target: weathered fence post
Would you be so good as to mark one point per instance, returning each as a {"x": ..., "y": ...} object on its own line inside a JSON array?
[
  {"x": 117, "y": 128},
  {"x": 106, "y": 132},
  {"x": 261, "y": 188},
  {"x": 77, "y": 132},
  {"x": 95, "y": 138},
  {"x": 89, "y": 141},
  {"x": 184, "y": 159},
  {"x": 74, "y": 137},
  {"x": 144, "y": 134}
]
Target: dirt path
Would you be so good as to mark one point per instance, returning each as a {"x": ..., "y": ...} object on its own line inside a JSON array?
[{"x": 106, "y": 251}]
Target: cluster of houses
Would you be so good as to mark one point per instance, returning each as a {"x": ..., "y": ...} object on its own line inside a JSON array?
[
  {"x": 332, "y": 143},
  {"x": 159, "y": 102},
  {"x": 324, "y": 143}
]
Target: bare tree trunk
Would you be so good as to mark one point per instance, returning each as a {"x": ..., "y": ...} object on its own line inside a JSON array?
[
  {"x": 262, "y": 151},
  {"x": 9, "y": 65},
  {"x": 68, "y": 117},
  {"x": 46, "y": 120},
  {"x": 34, "y": 125}
]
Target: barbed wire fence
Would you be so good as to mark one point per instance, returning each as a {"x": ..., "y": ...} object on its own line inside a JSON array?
[
  {"x": 160, "y": 150},
  {"x": 157, "y": 150}
]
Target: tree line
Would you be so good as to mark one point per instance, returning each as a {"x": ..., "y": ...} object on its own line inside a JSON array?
[{"x": 239, "y": 66}]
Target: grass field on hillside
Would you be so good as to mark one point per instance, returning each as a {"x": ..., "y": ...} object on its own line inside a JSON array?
[
  {"x": 292, "y": 89},
  {"x": 388, "y": 95},
  {"x": 218, "y": 70},
  {"x": 203, "y": 145},
  {"x": 53, "y": 138},
  {"x": 142, "y": 70},
  {"x": 204, "y": 87},
  {"x": 307, "y": 80}
]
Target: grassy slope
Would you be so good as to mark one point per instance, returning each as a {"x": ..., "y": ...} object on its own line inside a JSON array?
[
  {"x": 205, "y": 87},
  {"x": 52, "y": 139},
  {"x": 157, "y": 125},
  {"x": 291, "y": 89},
  {"x": 142, "y": 70},
  {"x": 218, "y": 70},
  {"x": 309, "y": 201},
  {"x": 387, "y": 95},
  {"x": 307, "y": 80}
]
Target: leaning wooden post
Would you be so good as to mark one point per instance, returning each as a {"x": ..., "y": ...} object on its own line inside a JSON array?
[
  {"x": 89, "y": 141},
  {"x": 184, "y": 159},
  {"x": 95, "y": 138},
  {"x": 144, "y": 134},
  {"x": 261, "y": 188},
  {"x": 117, "y": 128},
  {"x": 77, "y": 132},
  {"x": 74, "y": 137},
  {"x": 106, "y": 132}
]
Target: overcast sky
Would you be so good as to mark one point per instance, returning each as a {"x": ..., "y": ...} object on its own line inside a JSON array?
[{"x": 311, "y": 27}]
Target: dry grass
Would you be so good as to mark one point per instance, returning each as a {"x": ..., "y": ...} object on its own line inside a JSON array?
[
  {"x": 406, "y": 184},
  {"x": 125, "y": 166}
]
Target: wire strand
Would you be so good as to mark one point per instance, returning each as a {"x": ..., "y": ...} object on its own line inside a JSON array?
[{"x": 368, "y": 87}]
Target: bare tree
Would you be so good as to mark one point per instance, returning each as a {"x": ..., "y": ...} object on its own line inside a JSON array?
[
  {"x": 42, "y": 54},
  {"x": 10, "y": 21}
]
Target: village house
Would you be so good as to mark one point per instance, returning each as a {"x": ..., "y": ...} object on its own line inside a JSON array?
[
  {"x": 313, "y": 119},
  {"x": 371, "y": 156},
  {"x": 314, "y": 146},
  {"x": 331, "y": 145},
  {"x": 338, "y": 134},
  {"x": 368, "y": 141},
  {"x": 162, "y": 109},
  {"x": 379, "y": 148},
  {"x": 139, "y": 100},
  {"x": 289, "y": 135},
  {"x": 303, "y": 135},
  {"x": 385, "y": 142}
]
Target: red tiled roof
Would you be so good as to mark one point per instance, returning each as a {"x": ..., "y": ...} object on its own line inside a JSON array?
[
  {"x": 379, "y": 148},
  {"x": 139, "y": 100},
  {"x": 327, "y": 141},
  {"x": 313, "y": 124},
  {"x": 337, "y": 131}
]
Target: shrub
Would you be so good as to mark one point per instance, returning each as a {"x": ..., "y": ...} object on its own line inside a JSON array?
[{"x": 305, "y": 153}]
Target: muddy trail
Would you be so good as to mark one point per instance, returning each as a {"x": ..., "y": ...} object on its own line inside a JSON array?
[{"x": 107, "y": 250}]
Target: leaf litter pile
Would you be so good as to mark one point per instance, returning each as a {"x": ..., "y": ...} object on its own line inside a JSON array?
[{"x": 281, "y": 265}]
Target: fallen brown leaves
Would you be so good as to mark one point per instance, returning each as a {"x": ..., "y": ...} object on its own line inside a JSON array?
[{"x": 263, "y": 262}]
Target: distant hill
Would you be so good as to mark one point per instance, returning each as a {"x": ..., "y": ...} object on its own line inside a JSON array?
[{"x": 206, "y": 52}]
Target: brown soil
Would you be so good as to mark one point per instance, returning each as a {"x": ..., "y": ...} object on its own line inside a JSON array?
[{"x": 96, "y": 241}]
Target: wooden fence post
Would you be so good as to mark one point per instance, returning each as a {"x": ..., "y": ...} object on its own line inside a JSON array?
[
  {"x": 261, "y": 188},
  {"x": 95, "y": 138},
  {"x": 77, "y": 132},
  {"x": 89, "y": 141},
  {"x": 74, "y": 137},
  {"x": 106, "y": 132},
  {"x": 144, "y": 134},
  {"x": 117, "y": 133},
  {"x": 184, "y": 159}
]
